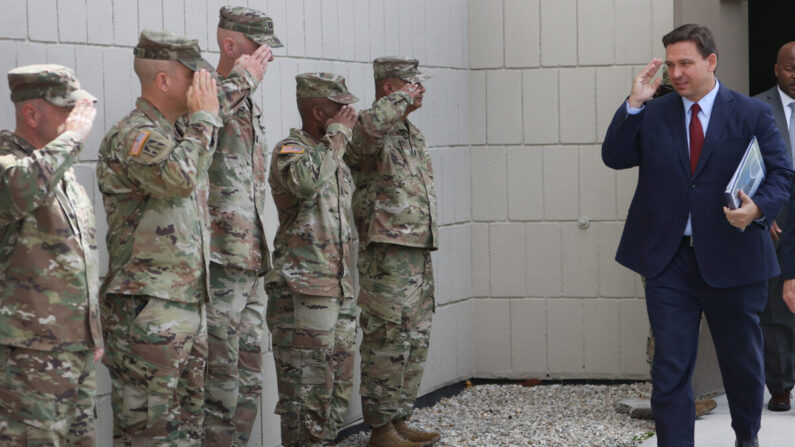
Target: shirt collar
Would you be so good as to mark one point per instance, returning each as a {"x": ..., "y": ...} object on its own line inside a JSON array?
[
  {"x": 705, "y": 103},
  {"x": 785, "y": 98}
]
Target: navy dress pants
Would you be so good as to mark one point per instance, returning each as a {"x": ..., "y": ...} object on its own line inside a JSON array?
[{"x": 675, "y": 300}]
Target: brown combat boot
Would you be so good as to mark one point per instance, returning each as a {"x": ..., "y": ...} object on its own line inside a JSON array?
[
  {"x": 424, "y": 437},
  {"x": 387, "y": 436},
  {"x": 704, "y": 406}
]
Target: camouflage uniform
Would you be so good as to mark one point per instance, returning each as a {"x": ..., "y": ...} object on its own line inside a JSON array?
[
  {"x": 49, "y": 315},
  {"x": 239, "y": 256},
  {"x": 153, "y": 177},
  {"x": 395, "y": 209},
  {"x": 311, "y": 307}
]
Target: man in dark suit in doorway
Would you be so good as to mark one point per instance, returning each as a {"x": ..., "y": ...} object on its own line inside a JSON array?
[
  {"x": 680, "y": 235},
  {"x": 778, "y": 324}
]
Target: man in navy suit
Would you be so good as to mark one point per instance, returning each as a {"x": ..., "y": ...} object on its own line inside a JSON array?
[
  {"x": 778, "y": 323},
  {"x": 680, "y": 235}
]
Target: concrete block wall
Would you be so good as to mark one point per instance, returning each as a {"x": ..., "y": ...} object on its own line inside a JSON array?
[
  {"x": 95, "y": 37},
  {"x": 546, "y": 78},
  {"x": 521, "y": 95}
]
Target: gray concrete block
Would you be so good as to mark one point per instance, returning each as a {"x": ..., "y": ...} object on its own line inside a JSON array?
[
  {"x": 522, "y": 33},
  {"x": 13, "y": 21},
  {"x": 558, "y": 44}
]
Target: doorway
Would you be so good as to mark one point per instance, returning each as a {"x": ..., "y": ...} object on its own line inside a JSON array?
[{"x": 770, "y": 25}]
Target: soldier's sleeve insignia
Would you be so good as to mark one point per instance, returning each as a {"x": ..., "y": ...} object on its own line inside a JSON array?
[
  {"x": 138, "y": 143},
  {"x": 291, "y": 150}
]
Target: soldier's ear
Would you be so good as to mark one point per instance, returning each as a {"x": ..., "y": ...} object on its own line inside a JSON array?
[
  {"x": 30, "y": 114},
  {"x": 318, "y": 115},
  {"x": 389, "y": 88},
  {"x": 228, "y": 47},
  {"x": 161, "y": 81}
]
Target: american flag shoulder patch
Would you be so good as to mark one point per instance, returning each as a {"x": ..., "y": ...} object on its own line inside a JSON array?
[
  {"x": 291, "y": 150},
  {"x": 138, "y": 143}
]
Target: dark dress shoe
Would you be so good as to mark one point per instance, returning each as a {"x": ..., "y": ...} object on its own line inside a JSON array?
[
  {"x": 752, "y": 443},
  {"x": 780, "y": 401}
]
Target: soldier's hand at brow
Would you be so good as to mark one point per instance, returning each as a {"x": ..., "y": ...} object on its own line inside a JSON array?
[
  {"x": 257, "y": 62},
  {"x": 643, "y": 87},
  {"x": 98, "y": 353},
  {"x": 81, "y": 118},
  {"x": 412, "y": 89},
  {"x": 203, "y": 94},
  {"x": 346, "y": 116}
]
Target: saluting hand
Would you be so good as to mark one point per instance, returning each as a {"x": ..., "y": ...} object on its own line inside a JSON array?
[
  {"x": 257, "y": 62},
  {"x": 81, "y": 118},
  {"x": 643, "y": 87},
  {"x": 346, "y": 116},
  {"x": 203, "y": 94},
  {"x": 412, "y": 89}
]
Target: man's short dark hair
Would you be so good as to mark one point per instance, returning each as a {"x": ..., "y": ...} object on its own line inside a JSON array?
[{"x": 698, "y": 34}]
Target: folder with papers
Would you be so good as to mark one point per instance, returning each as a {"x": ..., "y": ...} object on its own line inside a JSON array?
[{"x": 749, "y": 175}]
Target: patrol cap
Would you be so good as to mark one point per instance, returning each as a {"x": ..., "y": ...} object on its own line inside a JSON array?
[
  {"x": 167, "y": 46},
  {"x": 55, "y": 84},
  {"x": 252, "y": 23},
  {"x": 398, "y": 67},
  {"x": 323, "y": 85}
]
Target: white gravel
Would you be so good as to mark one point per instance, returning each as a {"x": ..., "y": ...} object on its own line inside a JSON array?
[{"x": 547, "y": 415}]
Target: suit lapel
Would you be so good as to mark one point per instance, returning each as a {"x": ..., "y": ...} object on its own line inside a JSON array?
[
  {"x": 774, "y": 99},
  {"x": 721, "y": 110},
  {"x": 675, "y": 115}
]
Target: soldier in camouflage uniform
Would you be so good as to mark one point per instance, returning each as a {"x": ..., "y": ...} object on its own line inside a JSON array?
[
  {"x": 395, "y": 209},
  {"x": 152, "y": 172},
  {"x": 311, "y": 307},
  {"x": 238, "y": 249},
  {"x": 50, "y": 335}
]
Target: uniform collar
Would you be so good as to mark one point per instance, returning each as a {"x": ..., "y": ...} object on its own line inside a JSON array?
[
  {"x": 17, "y": 141},
  {"x": 152, "y": 113}
]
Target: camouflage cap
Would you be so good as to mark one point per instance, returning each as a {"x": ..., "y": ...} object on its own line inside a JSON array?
[
  {"x": 252, "y": 23},
  {"x": 56, "y": 84},
  {"x": 398, "y": 67},
  {"x": 167, "y": 46},
  {"x": 323, "y": 85}
]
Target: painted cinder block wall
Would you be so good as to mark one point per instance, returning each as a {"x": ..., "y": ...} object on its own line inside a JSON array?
[
  {"x": 96, "y": 37},
  {"x": 546, "y": 77},
  {"x": 521, "y": 94}
]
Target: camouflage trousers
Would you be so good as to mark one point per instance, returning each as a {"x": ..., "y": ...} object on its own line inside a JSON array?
[
  {"x": 157, "y": 356},
  {"x": 47, "y": 398},
  {"x": 397, "y": 302},
  {"x": 235, "y": 327},
  {"x": 314, "y": 338}
]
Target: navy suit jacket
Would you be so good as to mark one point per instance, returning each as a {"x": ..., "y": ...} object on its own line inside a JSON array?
[{"x": 656, "y": 142}]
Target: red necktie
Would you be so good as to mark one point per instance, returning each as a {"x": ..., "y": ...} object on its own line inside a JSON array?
[{"x": 696, "y": 137}]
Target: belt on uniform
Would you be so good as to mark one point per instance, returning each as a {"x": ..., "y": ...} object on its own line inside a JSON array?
[{"x": 687, "y": 241}]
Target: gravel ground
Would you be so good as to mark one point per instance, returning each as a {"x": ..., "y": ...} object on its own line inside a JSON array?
[{"x": 547, "y": 415}]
